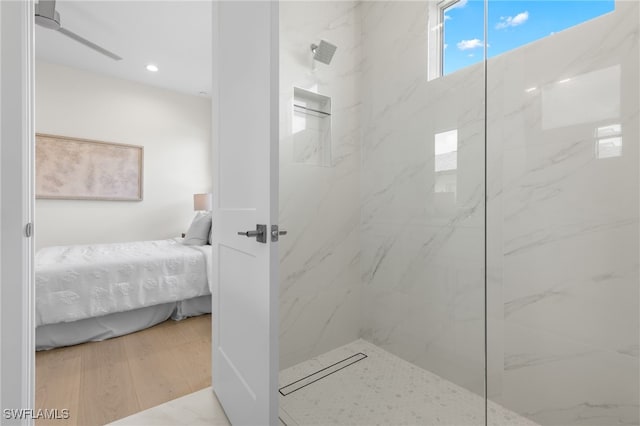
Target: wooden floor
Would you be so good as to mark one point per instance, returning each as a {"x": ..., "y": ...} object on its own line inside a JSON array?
[{"x": 99, "y": 382}]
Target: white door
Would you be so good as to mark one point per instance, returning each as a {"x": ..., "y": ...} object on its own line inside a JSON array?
[{"x": 245, "y": 133}]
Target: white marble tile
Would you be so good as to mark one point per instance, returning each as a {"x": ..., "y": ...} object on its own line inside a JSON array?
[
  {"x": 563, "y": 225},
  {"x": 198, "y": 408},
  {"x": 383, "y": 389},
  {"x": 431, "y": 313},
  {"x": 593, "y": 302},
  {"x": 554, "y": 380}
]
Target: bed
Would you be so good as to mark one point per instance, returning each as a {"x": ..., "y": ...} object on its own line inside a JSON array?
[{"x": 93, "y": 292}]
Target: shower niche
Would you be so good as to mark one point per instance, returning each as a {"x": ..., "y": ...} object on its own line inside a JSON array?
[{"x": 311, "y": 128}]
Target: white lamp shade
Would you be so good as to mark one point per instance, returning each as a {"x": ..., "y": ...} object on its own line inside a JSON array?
[{"x": 202, "y": 202}]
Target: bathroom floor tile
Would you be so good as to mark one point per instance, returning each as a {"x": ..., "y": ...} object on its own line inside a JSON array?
[
  {"x": 198, "y": 408},
  {"x": 381, "y": 389}
]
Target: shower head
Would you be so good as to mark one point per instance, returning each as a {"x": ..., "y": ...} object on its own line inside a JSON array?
[{"x": 323, "y": 52}]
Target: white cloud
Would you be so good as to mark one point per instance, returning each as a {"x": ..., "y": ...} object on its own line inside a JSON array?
[
  {"x": 445, "y": 46},
  {"x": 469, "y": 44},
  {"x": 512, "y": 21},
  {"x": 520, "y": 18},
  {"x": 447, "y": 17}
]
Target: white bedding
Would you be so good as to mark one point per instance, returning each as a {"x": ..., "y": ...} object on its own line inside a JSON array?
[{"x": 84, "y": 281}]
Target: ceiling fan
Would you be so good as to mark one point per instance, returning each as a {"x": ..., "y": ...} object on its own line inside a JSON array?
[{"x": 47, "y": 17}]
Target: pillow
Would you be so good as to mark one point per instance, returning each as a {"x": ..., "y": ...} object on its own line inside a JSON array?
[
  {"x": 198, "y": 232},
  {"x": 211, "y": 235}
]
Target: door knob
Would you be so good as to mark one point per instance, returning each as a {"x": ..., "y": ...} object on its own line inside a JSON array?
[
  {"x": 260, "y": 233},
  {"x": 250, "y": 233}
]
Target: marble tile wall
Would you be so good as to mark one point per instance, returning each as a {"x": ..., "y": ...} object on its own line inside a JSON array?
[
  {"x": 563, "y": 223},
  {"x": 320, "y": 203},
  {"x": 422, "y": 214},
  {"x": 387, "y": 244}
]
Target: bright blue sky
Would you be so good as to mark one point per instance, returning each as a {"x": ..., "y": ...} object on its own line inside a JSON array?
[{"x": 512, "y": 23}]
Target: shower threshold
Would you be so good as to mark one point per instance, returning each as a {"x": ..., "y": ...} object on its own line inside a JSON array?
[{"x": 341, "y": 387}]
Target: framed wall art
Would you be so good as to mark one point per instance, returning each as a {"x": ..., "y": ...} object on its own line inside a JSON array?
[{"x": 80, "y": 169}]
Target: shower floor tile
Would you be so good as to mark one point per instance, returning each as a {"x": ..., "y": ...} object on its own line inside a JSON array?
[{"x": 382, "y": 389}]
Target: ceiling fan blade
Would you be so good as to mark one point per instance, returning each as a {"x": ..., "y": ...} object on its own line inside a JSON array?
[
  {"x": 46, "y": 14},
  {"x": 87, "y": 43}
]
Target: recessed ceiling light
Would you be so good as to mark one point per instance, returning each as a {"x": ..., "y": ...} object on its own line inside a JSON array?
[
  {"x": 152, "y": 68},
  {"x": 531, "y": 89},
  {"x": 566, "y": 80}
]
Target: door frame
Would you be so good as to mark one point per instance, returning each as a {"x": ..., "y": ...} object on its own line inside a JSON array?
[
  {"x": 17, "y": 139},
  {"x": 17, "y": 164}
]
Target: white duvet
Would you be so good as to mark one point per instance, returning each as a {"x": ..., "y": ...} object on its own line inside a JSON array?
[{"x": 84, "y": 281}]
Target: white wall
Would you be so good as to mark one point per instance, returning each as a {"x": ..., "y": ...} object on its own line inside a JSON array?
[
  {"x": 319, "y": 206},
  {"x": 174, "y": 130}
]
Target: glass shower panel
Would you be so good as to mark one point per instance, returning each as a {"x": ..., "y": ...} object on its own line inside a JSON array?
[
  {"x": 563, "y": 192},
  {"x": 423, "y": 218},
  {"x": 382, "y": 272}
]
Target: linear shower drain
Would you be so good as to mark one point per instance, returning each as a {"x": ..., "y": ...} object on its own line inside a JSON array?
[{"x": 321, "y": 374}]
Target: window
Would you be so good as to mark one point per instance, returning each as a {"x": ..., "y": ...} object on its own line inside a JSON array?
[
  {"x": 462, "y": 29},
  {"x": 457, "y": 27}
]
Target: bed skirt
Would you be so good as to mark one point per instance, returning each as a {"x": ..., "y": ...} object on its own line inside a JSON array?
[{"x": 117, "y": 324}]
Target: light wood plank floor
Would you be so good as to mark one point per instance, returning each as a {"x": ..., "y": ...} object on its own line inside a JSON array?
[{"x": 100, "y": 382}]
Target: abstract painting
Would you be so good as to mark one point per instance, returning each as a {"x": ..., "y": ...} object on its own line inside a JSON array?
[{"x": 80, "y": 169}]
